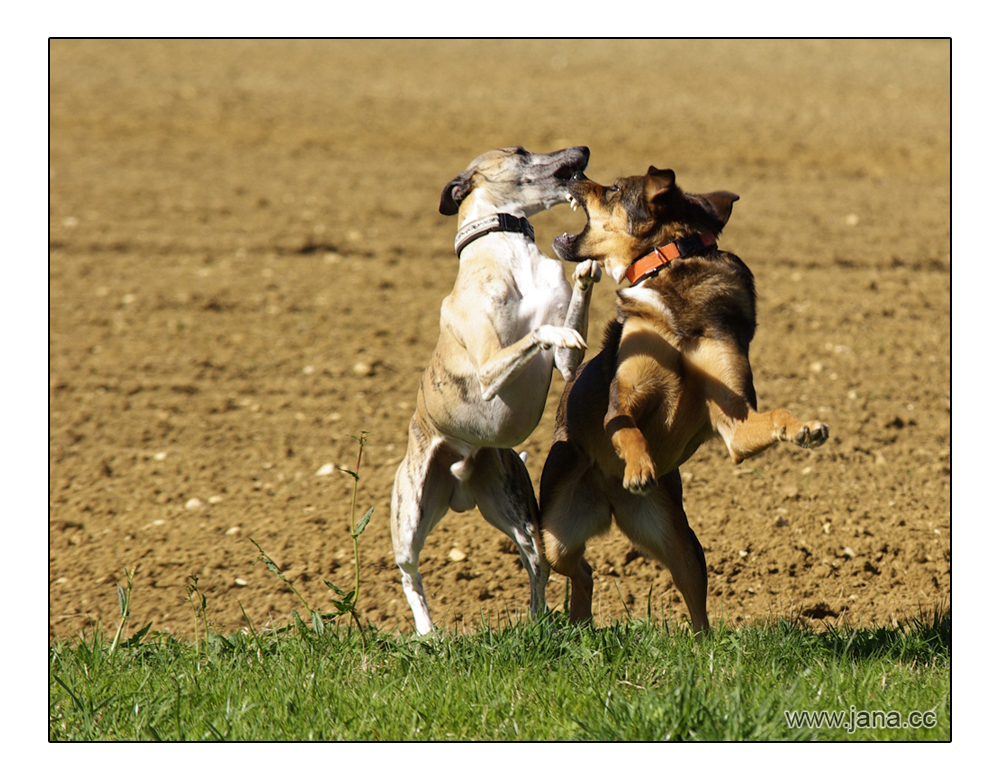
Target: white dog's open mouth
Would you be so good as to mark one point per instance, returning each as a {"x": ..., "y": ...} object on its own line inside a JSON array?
[{"x": 565, "y": 172}]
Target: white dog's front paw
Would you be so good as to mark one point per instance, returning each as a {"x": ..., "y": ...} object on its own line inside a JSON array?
[
  {"x": 553, "y": 336},
  {"x": 587, "y": 273}
]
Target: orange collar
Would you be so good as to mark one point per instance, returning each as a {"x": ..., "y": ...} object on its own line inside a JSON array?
[{"x": 659, "y": 257}]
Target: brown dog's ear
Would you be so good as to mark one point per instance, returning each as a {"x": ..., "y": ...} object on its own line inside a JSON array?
[
  {"x": 717, "y": 205},
  {"x": 454, "y": 193},
  {"x": 657, "y": 183}
]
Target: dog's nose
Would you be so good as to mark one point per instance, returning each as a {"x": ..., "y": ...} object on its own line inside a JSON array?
[{"x": 578, "y": 176}]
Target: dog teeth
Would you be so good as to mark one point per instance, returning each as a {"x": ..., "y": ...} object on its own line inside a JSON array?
[{"x": 572, "y": 202}]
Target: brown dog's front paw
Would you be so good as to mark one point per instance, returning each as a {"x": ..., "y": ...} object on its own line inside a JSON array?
[
  {"x": 639, "y": 479},
  {"x": 812, "y": 434}
]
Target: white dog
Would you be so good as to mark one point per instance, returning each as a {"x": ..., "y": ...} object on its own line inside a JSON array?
[{"x": 510, "y": 317}]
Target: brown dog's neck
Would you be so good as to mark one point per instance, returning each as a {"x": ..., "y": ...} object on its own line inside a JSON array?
[{"x": 649, "y": 264}]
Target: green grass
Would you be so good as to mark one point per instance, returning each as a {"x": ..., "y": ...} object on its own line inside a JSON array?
[{"x": 631, "y": 681}]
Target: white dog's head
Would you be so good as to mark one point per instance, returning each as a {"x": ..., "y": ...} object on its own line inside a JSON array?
[{"x": 513, "y": 180}]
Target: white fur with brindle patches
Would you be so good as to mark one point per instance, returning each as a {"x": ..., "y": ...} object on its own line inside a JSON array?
[{"x": 511, "y": 318}]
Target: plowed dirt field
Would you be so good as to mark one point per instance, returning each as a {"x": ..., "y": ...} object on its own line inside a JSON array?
[{"x": 247, "y": 264}]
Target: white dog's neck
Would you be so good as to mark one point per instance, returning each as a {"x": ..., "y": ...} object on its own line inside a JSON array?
[
  {"x": 492, "y": 223},
  {"x": 476, "y": 206},
  {"x": 477, "y": 210}
]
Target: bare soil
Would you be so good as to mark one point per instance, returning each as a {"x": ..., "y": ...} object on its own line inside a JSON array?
[{"x": 247, "y": 264}]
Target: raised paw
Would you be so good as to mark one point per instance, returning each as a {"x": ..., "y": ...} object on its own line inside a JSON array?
[
  {"x": 587, "y": 273},
  {"x": 553, "y": 336},
  {"x": 640, "y": 478},
  {"x": 811, "y": 434}
]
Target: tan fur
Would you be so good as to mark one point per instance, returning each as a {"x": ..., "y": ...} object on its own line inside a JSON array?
[
  {"x": 674, "y": 371},
  {"x": 510, "y": 318}
]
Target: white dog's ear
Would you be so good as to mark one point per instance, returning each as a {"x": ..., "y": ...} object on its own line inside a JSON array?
[{"x": 454, "y": 193}]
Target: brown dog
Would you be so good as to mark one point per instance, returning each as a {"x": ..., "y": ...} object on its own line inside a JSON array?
[{"x": 673, "y": 372}]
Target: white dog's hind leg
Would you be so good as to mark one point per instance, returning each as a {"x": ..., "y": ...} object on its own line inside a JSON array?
[
  {"x": 408, "y": 525},
  {"x": 420, "y": 496},
  {"x": 413, "y": 587},
  {"x": 504, "y": 494},
  {"x": 507, "y": 363}
]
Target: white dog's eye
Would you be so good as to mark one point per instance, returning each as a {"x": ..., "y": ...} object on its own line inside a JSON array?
[{"x": 614, "y": 188}]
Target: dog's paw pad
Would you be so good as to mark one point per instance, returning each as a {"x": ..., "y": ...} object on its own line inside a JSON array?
[
  {"x": 587, "y": 273},
  {"x": 812, "y": 434},
  {"x": 563, "y": 338},
  {"x": 639, "y": 481}
]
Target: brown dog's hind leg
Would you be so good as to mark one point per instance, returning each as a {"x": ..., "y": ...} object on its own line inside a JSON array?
[
  {"x": 581, "y": 592},
  {"x": 761, "y": 430},
  {"x": 732, "y": 405},
  {"x": 572, "y": 513},
  {"x": 657, "y": 524}
]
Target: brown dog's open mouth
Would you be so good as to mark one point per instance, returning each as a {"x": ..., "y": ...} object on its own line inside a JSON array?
[{"x": 563, "y": 246}]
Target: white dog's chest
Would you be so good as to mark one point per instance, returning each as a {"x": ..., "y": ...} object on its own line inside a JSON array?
[{"x": 538, "y": 297}]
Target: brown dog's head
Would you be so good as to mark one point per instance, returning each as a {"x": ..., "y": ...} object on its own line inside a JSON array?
[{"x": 635, "y": 215}]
